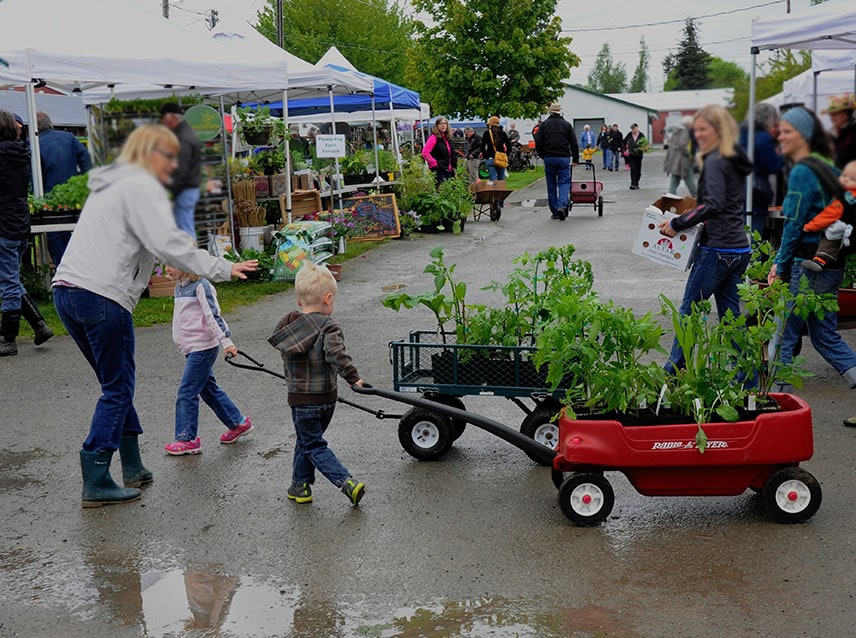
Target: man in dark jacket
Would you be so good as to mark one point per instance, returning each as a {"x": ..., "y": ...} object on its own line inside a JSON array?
[
  {"x": 556, "y": 143},
  {"x": 616, "y": 141},
  {"x": 188, "y": 175},
  {"x": 63, "y": 157}
]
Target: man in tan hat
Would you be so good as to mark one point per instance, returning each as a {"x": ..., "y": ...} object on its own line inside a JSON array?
[
  {"x": 840, "y": 111},
  {"x": 556, "y": 144}
]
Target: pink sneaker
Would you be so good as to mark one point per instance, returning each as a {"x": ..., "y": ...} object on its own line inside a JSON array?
[
  {"x": 184, "y": 447},
  {"x": 230, "y": 436}
]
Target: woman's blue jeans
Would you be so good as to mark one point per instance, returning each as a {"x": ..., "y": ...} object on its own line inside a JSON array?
[
  {"x": 557, "y": 174},
  {"x": 104, "y": 332},
  {"x": 494, "y": 172},
  {"x": 824, "y": 337},
  {"x": 198, "y": 381},
  {"x": 713, "y": 273},
  {"x": 11, "y": 288},
  {"x": 310, "y": 450}
]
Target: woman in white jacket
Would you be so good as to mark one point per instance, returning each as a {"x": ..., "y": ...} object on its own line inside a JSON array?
[{"x": 125, "y": 225}]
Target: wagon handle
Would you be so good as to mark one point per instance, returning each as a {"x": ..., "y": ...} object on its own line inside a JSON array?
[{"x": 258, "y": 365}]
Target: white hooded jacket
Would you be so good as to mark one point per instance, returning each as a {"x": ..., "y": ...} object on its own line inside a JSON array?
[{"x": 126, "y": 224}]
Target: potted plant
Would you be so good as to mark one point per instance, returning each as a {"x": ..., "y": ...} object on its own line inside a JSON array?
[
  {"x": 257, "y": 124},
  {"x": 268, "y": 161},
  {"x": 64, "y": 201},
  {"x": 355, "y": 167}
]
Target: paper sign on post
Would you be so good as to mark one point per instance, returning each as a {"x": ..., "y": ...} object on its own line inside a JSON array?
[{"x": 330, "y": 146}]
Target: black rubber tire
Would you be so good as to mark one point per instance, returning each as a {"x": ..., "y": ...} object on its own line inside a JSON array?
[
  {"x": 495, "y": 212},
  {"x": 600, "y": 206},
  {"x": 425, "y": 435},
  {"x": 539, "y": 426},
  {"x": 586, "y": 498},
  {"x": 792, "y": 495},
  {"x": 558, "y": 478},
  {"x": 458, "y": 425}
]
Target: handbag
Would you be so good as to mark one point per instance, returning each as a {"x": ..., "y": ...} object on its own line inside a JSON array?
[{"x": 500, "y": 160}]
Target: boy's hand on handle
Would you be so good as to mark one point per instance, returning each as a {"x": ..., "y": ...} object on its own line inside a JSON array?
[
  {"x": 360, "y": 383},
  {"x": 231, "y": 351},
  {"x": 241, "y": 267}
]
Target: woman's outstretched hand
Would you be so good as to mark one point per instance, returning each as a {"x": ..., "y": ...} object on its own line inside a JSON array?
[{"x": 240, "y": 268}]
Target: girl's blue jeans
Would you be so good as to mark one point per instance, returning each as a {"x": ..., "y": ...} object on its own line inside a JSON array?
[
  {"x": 11, "y": 288},
  {"x": 104, "y": 332},
  {"x": 198, "y": 381},
  {"x": 310, "y": 450},
  {"x": 713, "y": 273}
]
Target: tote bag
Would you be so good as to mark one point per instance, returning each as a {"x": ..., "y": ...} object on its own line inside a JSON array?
[{"x": 500, "y": 160}]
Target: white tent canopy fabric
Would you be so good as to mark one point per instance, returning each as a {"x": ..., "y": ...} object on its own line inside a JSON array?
[
  {"x": 831, "y": 25},
  {"x": 833, "y": 60}
]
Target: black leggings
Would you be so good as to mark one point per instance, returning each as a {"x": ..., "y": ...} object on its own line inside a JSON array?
[{"x": 635, "y": 169}]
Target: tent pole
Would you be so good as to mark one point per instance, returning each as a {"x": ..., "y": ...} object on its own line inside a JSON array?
[
  {"x": 335, "y": 159},
  {"x": 374, "y": 142},
  {"x": 226, "y": 153},
  {"x": 814, "y": 91},
  {"x": 35, "y": 155},
  {"x": 288, "y": 167},
  {"x": 750, "y": 136},
  {"x": 393, "y": 131}
]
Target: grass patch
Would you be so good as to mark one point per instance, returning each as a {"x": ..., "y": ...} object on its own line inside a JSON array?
[
  {"x": 515, "y": 181},
  {"x": 232, "y": 295}
]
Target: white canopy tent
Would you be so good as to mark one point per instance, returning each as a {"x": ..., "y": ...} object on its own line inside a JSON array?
[{"x": 828, "y": 26}]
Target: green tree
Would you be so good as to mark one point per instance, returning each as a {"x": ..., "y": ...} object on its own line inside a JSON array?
[
  {"x": 607, "y": 76},
  {"x": 373, "y": 34},
  {"x": 687, "y": 69},
  {"x": 725, "y": 75},
  {"x": 783, "y": 65},
  {"x": 483, "y": 57},
  {"x": 639, "y": 82}
]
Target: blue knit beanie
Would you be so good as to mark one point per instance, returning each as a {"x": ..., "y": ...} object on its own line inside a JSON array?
[{"x": 802, "y": 121}]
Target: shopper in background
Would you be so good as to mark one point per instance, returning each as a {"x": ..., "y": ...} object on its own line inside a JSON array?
[
  {"x": 14, "y": 233},
  {"x": 840, "y": 111},
  {"x": 635, "y": 145},
  {"x": 438, "y": 151},
  {"x": 188, "y": 176},
  {"x": 472, "y": 154},
  {"x": 679, "y": 163},
  {"x": 63, "y": 157},
  {"x": 494, "y": 141},
  {"x": 724, "y": 251},
  {"x": 616, "y": 143},
  {"x": 126, "y": 224},
  {"x": 603, "y": 144},
  {"x": 556, "y": 144},
  {"x": 800, "y": 135},
  {"x": 767, "y": 161}
]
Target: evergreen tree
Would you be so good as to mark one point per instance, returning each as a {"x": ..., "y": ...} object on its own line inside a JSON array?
[
  {"x": 607, "y": 76},
  {"x": 483, "y": 57},
  {"x": 639, "y": 83},
  {"x": 687, "y": 69}
]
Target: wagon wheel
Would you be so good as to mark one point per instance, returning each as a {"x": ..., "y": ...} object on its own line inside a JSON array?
[
  {"x": 541, "y": 426},
  {"x": 495, "y": 212},
  {"x": 558, "y": 477},
  {"x": 600, "y": 206},
  {"x": 425, "y": 435},
  {"x": 792, "y": 495},
  {"x": 586, "y": 499},
  {"x": 458, "y": 425}
]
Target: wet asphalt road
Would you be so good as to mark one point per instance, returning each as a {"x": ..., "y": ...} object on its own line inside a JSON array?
[{"x": 473, "y": 545}]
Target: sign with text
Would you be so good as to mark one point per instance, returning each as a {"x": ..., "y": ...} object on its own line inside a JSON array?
[{"x": 330, "y": 146}]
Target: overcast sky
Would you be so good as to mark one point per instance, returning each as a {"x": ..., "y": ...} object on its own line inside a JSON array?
[{"x": 724, "y": 26}]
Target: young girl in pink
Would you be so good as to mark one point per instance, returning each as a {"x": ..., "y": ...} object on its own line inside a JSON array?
[{"x": 199, "y": 331}]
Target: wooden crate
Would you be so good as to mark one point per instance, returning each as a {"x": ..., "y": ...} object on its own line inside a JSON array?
[{"x": 302, "y": 203}]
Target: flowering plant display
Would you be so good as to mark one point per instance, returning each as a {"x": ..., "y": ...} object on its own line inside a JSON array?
[{"x": 346, "y": 223}]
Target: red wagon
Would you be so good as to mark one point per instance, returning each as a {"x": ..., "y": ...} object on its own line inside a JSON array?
[
  {"x": 588, "y": 192},
  {"x": 663, "y": 460}
]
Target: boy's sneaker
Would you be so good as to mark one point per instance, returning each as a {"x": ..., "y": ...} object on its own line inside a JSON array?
[
  {"x": 300, "y": 493},
  {"x": 184, "y": 447},
  {"x": 230, "y": 436},
  {"x": 353, "y": 489}
]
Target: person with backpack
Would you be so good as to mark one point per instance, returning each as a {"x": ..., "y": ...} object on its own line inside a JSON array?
[{"x": 804, "y": 142}]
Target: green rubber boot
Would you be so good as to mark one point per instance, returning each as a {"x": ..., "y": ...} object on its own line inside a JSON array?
[
  {"x": 98, "y": 486},
  {"x": 134, "y": 473}
]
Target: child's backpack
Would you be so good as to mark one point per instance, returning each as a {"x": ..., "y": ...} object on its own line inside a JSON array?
[{"x": 829, "y": 182}]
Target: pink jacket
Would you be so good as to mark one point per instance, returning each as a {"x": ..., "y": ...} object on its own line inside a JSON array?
[{"x": 196, "y": 321}]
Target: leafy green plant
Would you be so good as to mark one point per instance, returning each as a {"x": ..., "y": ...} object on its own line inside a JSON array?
[
  {"x": 70, "y": 195},
  {"x": 445, "y": 307},
  {"x": 266, "y": 262},
  {"x": 386, "y": 161},
  {"x": 849, "y": 280},
  {"x": 416, "y": 179},
  {"x": 267, "y": 162},
  {"x": 356, "y": 163},
  {"x": 761, "y": 261}
]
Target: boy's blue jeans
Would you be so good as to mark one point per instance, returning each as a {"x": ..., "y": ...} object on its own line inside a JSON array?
[
  {"x": 310, "y": 449},
  {"x": 104, "y": 332},
  {"x": 198, "y": 381}
]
